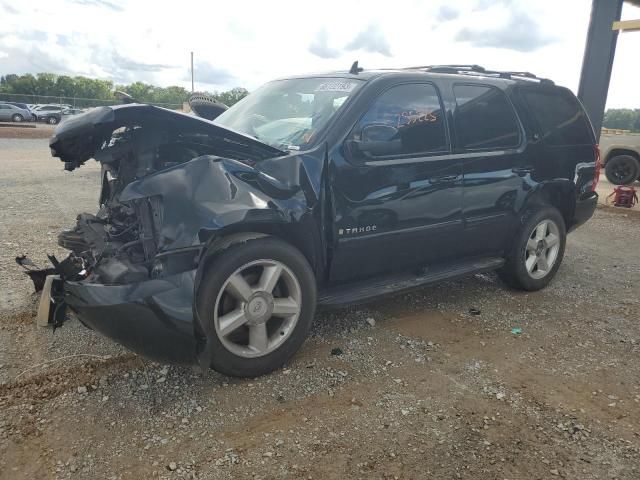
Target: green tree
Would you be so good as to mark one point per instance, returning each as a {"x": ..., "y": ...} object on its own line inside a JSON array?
[
  {"x": 99, "y": 92},
  {"x": 622, "y": 118},
  {"x": 232, "y": 96}
]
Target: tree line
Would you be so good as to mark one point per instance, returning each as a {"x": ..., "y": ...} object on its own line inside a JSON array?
[
  {"x": 91, "y": 91},
  {"x": 622, "y": 118}
]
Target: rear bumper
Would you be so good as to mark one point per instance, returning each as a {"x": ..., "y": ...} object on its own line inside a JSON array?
[
  {"x": 153, "y": 318},
  {"x": 585, "y": 207}
]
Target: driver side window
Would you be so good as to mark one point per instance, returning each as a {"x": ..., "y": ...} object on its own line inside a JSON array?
[{"x": 405, "y": 120}]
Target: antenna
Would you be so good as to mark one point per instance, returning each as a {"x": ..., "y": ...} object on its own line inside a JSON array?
[{"x": 355, "y": 69}]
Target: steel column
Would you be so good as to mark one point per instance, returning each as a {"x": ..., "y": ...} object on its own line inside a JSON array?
[{"x": 598, "y": 59}]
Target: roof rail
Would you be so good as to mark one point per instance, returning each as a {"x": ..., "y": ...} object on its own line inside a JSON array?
[{"x": 480, "y": 71}]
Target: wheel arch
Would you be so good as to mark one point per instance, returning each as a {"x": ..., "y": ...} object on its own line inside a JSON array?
[
  {"x": 617, "y": 151},
  {"x": 302, "y": 235},
  {"x": 560, "y": 194}
]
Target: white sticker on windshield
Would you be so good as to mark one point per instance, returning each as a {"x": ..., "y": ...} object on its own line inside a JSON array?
[{"x": 336, "y": 86}]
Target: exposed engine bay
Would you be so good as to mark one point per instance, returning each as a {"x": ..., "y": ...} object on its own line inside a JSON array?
[{"x": 118, "y": 243}]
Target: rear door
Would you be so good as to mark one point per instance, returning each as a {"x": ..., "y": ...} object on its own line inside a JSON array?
[
  {"x": 397, "y": 193},
  {"x": 567, "y": 137},
  {"x": 489, "y": 137}
]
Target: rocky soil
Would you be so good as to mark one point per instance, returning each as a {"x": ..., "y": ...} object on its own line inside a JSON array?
[{"x": 463, "y": 380}]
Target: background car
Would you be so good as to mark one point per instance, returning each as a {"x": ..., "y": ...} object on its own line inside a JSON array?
[
  {"x": 71, "y": 111},
  {"x": 51, "y": 114},
  {"x": 12, "y": 113},
  {"x": 25, "y": 107}
]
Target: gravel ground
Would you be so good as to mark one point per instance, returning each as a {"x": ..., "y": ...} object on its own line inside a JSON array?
[{"x": 411, "y": 386}]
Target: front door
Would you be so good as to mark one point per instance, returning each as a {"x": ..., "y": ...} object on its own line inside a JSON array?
[{"x": 396, "y": 190}]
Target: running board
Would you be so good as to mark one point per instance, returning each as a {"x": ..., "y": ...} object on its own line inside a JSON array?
[{"x": 366, "y": 290}]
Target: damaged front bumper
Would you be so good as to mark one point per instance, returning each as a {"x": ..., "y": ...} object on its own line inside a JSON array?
[{"x": 154, "y": 318}]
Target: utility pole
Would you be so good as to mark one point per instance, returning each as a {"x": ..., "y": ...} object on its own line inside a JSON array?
[{"x": 192, "y": 72}]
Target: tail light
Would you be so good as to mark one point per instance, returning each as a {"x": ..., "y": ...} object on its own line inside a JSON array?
[{"x": 596, "y": 175}]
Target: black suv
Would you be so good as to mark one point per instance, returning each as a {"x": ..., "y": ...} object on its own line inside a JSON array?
[{"x": 215, "y": 240}]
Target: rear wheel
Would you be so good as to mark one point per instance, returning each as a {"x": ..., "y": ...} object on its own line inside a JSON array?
[
  {"x": 17, "y": 117},
  {"x": 52, "y": 120},
  {"x": 537, "y": 250},
  {"x": 622, "y": 169},
  {"x": 259, "y": 299}
]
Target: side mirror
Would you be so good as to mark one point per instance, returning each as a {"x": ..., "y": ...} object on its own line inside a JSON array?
[{"x": 377, "y": 140}]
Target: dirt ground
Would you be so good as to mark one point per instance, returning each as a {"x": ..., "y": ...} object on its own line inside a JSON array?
[
  {"x": 41, "y": 130},
  {"x": 463, "y": 380}
]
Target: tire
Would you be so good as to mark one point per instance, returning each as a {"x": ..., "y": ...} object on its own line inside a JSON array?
[
  {"x": 34, "y": 118},
  {"x": 622, "y": 169},
  {"x": 241, "y": 345},
  {"x": 525, "y": 267},
  {"x": 17, "y": 117},
  {"x": 52, "y": 121}
]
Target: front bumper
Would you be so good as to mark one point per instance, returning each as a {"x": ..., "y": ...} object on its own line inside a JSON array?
[
  {"x": 585, "y": 207},
  {"x": 153, "y": 318}
]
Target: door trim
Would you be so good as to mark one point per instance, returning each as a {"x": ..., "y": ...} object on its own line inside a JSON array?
[
  {"x": 448, "y": 156},
  {"x": 419, "y": 228}
]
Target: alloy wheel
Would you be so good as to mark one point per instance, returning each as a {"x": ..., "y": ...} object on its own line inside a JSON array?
[
  {"x": 542, "y": 249},
  {"x": 257, "y": 308}
]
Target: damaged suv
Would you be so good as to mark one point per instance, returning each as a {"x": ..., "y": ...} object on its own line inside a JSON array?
[{"x": 215, "y": 239}]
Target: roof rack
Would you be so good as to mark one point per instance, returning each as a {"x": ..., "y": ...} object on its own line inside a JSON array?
[{"x": 480, "y": 71}]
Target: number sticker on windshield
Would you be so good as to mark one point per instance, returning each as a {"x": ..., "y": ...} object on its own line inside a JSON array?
[{"x": 336, "y": 87}]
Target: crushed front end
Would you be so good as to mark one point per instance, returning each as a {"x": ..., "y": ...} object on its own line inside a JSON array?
[{"x": 169, "y": 182}]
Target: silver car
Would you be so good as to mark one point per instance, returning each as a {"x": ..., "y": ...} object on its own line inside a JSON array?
[{"x": 11, "y": 113}]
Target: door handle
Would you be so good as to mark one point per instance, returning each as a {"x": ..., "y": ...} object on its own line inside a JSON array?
[
  {"x": 522, "y": 171},
  {"x": 445, "y": 179}
]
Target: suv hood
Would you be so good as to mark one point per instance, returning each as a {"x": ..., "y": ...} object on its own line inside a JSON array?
[{"x": 82, "y": 136}]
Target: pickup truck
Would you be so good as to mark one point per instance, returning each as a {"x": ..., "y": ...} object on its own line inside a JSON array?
[{"x": 620, "y": 153}]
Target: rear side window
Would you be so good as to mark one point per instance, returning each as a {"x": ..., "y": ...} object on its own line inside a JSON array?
[
  {"x": 405, "y": 120},
  {"x": 484, "y": 118},
  {"x": 560, "y": 117}
]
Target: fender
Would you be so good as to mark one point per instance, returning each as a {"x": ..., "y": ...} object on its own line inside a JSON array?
[{"x": 558, "y": 192}]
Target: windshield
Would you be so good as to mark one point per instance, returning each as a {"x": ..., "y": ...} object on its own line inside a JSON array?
[{"x": 289, "y": 113}]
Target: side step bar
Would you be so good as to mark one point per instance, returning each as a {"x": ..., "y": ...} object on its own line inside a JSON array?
[{"x": 366, "y": 290}]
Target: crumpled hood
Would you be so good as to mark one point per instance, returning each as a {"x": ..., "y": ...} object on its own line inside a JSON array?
[{"x": 78, "y": 139}]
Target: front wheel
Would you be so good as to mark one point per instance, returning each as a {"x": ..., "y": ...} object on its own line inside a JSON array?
[
  {"x": 537, "y": 250},
  {"x": 52, "y": 120},
  {"x": 258, "y": 298},
  {"x": 17, "y": 118}
]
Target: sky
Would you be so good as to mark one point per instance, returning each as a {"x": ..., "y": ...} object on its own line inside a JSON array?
[{"x": 246, "y": 43}]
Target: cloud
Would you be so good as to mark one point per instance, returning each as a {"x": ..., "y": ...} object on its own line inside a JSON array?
[
  {"x": 486, "y": 4},
  {"x": 29, "y": 58},
  {"x": 319, "y": 46},
  {"x": 35, "y": 35},
  {"x": 9, "y": 8},
  {"x": 520, "y": 33},
  {"x": 100, "y": 3},
  {"x": 124, "y": 63},
  {"x": 372, "y": 40},
  {"x": 204, "y": 72},
  {"x": 446, "y": 13}
]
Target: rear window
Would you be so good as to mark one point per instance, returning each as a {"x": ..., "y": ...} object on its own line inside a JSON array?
[
  {"x": 561, "y": 119},
  {"x": 484, "y": 118}
]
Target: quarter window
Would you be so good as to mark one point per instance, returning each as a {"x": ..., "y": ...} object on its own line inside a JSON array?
[
  {"x": 560, "y": 117},
  {"x": 404, "y": 120},
  {"x": 484, "y": 118}
]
